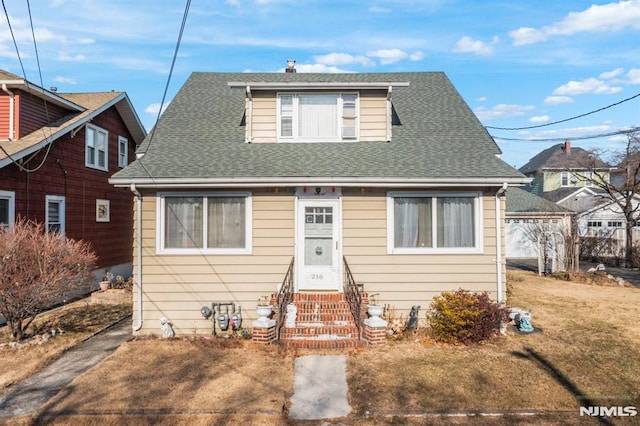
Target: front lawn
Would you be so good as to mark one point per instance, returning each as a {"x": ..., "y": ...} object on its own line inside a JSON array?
[{"x": 584, "y": 352}]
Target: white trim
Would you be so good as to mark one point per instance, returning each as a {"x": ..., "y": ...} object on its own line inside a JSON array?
[
  {"x": 59, "y": 199},
  {"x": 334, "y": 281},
  {"x": 123, "y": 163},
  {"x": 300, "y": 85},
  {"x": 261, "y": 182},
  {"x": 160, "y": 227},
  {"x": 94, "y": 164},
  {"x": 477, "y": 216},
  {"x": 11, "y": 197}
]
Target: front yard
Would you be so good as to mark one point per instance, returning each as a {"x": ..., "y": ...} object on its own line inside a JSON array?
[{"x": 584, "y": 352}]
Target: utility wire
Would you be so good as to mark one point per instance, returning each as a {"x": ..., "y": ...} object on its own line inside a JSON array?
[
  {"x": 166, "y": 87},
  {"x": 566, "y": 119},
  {"x": 24, "y": 74},
  {"x": 601, "y": 135}
]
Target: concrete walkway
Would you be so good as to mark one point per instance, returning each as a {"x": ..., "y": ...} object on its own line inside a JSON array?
[
  {"x": 319, "y": 388},
  {"x": 28, "y": 396}
]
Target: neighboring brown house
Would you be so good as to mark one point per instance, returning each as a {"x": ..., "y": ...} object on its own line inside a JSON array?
[
  {"x": 389, "y": 176},
  {"x": 57, "y": 152}
]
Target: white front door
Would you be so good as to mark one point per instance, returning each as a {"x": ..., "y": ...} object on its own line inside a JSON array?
[{"x": 318, "y": 248}]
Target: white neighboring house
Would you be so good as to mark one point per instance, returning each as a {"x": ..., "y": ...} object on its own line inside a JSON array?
[
  {"x": 601, "y": 224},
  {"x": 529, "y": 221}
]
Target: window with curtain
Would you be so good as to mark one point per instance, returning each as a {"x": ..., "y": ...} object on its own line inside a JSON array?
[
  {"x": 433, "y": 222},
  {"x": 208, "y": 222},
  {"x": 317, "y": 117}
]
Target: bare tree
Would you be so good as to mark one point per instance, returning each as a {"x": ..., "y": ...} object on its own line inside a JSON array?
[
  {"x": 36, "y": 270},
  {"x": 622, "y": 186}
]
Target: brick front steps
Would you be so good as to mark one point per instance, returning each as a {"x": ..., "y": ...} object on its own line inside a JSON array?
[{"x": 323, "y": 321}]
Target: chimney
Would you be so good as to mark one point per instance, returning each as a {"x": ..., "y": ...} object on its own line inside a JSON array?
[
  {"x": 567, "y": 147},
  {"x": 291, "y": 64}
]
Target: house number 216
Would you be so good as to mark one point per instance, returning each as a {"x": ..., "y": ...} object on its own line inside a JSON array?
[{"x": 316, "y": 276}]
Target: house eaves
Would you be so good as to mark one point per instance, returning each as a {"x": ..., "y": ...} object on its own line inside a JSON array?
[
  {"x": 15, "y": 150},
  {"x": 42, "y": 93},
  {"x": 380, "y": 182}
]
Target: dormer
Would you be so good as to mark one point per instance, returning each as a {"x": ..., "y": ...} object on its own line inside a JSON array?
[{"x": 313, "y": 111}]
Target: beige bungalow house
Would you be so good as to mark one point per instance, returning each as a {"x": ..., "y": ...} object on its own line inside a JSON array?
[{"x": 317, "y": 186}]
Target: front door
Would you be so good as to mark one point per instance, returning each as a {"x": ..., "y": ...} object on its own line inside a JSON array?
[{"x": 318, "y": 244}]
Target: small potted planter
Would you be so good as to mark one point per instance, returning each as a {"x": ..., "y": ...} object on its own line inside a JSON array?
[
  {"x": 106, "y": 281},
  {"x": 374, "y": 309},
  {"x": 263, "y": 309}
]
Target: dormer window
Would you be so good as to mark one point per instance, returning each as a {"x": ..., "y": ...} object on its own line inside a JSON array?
[{"x": 317, "y": 117}]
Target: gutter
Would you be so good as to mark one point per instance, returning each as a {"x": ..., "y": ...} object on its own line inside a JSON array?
[
  {"x": 11, "y": 110},
  {"x": 499, "y": 262},
  {"x": 380, "y": 182},
  {"x": 138, "y": 237}
]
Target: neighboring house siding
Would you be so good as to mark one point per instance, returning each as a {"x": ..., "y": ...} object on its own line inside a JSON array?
[
  {"x": 373, "y": 121},
  {"x": 81, "y": 187},
  {"x": 4, "y": 116},
  {"x": 33, "y": 114},
  {"x": 177, "y": 286}
]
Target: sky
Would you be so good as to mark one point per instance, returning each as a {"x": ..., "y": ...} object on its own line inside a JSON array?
[{"x": 516, "y": 63}]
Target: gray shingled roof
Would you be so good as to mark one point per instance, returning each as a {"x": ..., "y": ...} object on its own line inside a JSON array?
[
  {"x": 521, "y": 201},
  {"x": 201, "y": 135},
  {"x": 555, "y": 158}
]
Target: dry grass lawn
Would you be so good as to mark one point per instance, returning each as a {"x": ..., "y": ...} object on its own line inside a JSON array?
[
  {"x": 73, "y": 323},
  {"x": 584, "y": 351}
]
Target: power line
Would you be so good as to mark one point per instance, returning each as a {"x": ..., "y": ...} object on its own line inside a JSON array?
[
  {"x": 575, "y": 138},
  {"x": 24, "y": 74},
  {"x": 166, "y": 87},
  {"x": 566, "y": 119}
]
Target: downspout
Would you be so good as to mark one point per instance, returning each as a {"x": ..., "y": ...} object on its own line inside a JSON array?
[
  {"x": 499, "y": 242},
  {"x": 11, "y": 110},
  {"x": 138, "y": 326},
  {"x": 249, "y": 124}
]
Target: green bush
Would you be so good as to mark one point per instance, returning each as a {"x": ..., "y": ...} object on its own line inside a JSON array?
[{"x": 465, "y": 317}]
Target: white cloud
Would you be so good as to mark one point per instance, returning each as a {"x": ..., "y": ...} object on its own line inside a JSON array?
[
  {"x": 378, "y": 9},
  {"x": 611, "y": 74},
  {"x": 62, "y": 56},
  {"x": 502, "y": 111},
  {"x": 557, "y": 100},
  {"x": 634, "y": 76},
  {"x": 65, "y": 80},
  {"x": 597, "y": 18},
  {"x": 318, "y": 68},
  {"x": 388, "y": 56},
  {"x": 416, "y": 56},
  {"x": 539, "y": 119},
  {"x": 590, "y": 85},
  {"x": 155, "y": 107},
  {"x": 481, "y": 99},
  {"x": 468, "y": 45},
  {"x": 343, "y": 59}
]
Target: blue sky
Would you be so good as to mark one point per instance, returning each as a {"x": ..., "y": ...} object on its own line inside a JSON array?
[{"x": 516, "y": 63}]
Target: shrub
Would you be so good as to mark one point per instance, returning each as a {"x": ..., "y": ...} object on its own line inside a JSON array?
[
  {"x": 465, "y": 317},
  {"x": 36, "y": 270}
]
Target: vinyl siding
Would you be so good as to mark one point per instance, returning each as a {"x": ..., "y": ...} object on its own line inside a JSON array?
[{"x": 177, "y": 286}]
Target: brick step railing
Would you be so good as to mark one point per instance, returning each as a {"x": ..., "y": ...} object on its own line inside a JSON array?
[{"x": 323, "y": 321}]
